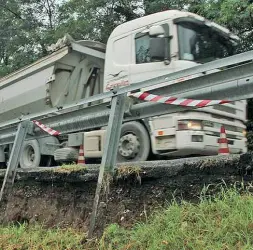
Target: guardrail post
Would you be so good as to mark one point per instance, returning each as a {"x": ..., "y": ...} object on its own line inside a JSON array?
[
  {"x": 14, "y": 157},
  {"x": 110, "y": 150}
]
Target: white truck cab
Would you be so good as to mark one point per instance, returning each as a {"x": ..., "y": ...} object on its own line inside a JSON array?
[{"x": 160, "y": 44}]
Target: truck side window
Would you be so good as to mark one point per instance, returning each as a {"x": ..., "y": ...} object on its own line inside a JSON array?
[{"x": 142, "y": 48}]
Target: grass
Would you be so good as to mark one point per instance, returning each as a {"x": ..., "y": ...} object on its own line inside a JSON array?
[
  {"x": 69, "y": 168},
  {"x": 36, "y": 238},
  {"x": 124, "y": 171},
  {"x": 223, "y": 222}
]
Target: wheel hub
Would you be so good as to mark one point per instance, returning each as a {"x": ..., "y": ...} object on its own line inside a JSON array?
[
  {"x": 129, "y": 146},
  {"x": 30, "y": 154}
]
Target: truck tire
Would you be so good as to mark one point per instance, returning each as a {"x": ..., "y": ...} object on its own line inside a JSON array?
[
  {"x": 134, "y": 144},
  {"x": 30, "y": 156}
]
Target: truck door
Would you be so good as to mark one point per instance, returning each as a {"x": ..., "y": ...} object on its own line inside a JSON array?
[{"x": 144, "y": 64}]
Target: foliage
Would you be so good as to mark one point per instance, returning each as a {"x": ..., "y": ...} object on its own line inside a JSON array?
[
  {"x": 250, "y": 140},
  {"x": 153, "y": 6},
  {"x": 125, "y": 171},
  {"x": 29, "y": 26},
  {"x": 250, "y": 133},
  {"x": 95, "y": 19},
  {"x": 70, "y": 168},
  {"x": 225, "y": 222},
  {"x": 236, "y": 15}
]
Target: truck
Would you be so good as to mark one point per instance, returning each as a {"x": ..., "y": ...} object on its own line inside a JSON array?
[{"x": 138, "y": 50}]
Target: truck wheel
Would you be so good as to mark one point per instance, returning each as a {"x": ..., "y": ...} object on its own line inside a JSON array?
[
  {"x": 30, "y": 155},
  {"x": 134, "y": 144}
]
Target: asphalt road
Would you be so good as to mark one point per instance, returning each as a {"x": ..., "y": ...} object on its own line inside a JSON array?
[{"x": 146, "y": 164}]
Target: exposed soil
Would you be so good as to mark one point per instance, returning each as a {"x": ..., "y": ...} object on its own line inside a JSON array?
[{"x": 65, "y": 199}]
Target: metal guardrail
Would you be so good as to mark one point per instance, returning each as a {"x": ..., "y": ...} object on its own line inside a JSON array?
[
  {"x": 235, "y": 83},
  {"x": 218, "y": 64}
]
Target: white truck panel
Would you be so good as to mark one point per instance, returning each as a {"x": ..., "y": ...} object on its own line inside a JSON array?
[
  {"x": 56, "y": 80},
  {"x": 25, "y": 96}
]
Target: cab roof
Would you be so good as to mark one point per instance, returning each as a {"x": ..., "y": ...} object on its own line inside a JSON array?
[{"x": 164, "y": 15}]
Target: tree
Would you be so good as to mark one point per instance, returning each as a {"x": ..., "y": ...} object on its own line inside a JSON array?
[
  {"x": 95, "y": 19},
  {"x": 27, "y": 27},
  {"x": 236, "y": 15},
  {"x": 153, "y": 6}
]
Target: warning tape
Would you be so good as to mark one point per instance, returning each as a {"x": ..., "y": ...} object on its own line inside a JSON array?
[
  {"x": 144, "y": 96},
  {"x": 46, "y": 129}
]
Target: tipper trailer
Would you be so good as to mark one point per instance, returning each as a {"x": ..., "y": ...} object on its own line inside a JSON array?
[{"x": 137, "y": 50}]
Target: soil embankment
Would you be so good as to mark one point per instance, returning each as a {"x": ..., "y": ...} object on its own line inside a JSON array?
[{"x": 60, "y": 198}]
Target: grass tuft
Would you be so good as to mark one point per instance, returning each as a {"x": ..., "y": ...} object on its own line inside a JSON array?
[
  {"x": 69, "y": 168},
  {"x": 124, "y": 172}
]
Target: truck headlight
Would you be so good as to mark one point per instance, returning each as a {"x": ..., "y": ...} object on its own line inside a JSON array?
[{"x": 189, "y": 125}]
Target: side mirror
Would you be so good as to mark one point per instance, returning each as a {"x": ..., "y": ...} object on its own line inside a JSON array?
[
  {"x": 157, "y": 49},
  {"x": 155, "y": 31}
]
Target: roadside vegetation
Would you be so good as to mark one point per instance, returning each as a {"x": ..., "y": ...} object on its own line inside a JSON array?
[
  {"x": 221, "y": 222},
  {"x": 36, "y": 238},
  {"x": 70, "y": 168}
]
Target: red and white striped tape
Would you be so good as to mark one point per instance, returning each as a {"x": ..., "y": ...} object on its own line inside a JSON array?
[
  {"x": 176, "y": 101},
  {"x": 46, "y": 129},
  {"x": 153, "y": 98}
]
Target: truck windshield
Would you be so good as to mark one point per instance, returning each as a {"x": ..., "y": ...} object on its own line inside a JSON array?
[{"x": 202, "y": 44}]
